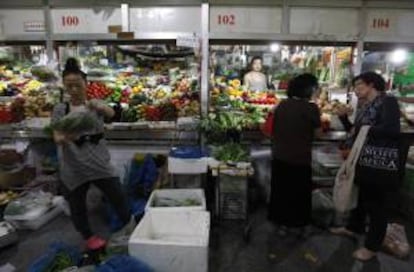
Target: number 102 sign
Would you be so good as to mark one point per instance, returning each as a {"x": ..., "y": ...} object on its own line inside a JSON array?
[{"x": 245, "y": 20}]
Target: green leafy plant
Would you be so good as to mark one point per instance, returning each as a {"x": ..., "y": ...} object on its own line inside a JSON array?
[{"x": 231, "y": 152}]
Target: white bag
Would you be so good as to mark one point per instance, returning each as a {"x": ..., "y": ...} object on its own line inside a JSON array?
[
  {"x": 396, "y": 242},
  {"x": 344, "y": 192}
]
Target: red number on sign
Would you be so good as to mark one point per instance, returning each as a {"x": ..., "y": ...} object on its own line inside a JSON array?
[
  {"x": 381, "y": 23},
  {"x": 70, "y": 20},
  {"x": 226, "y": 19}
]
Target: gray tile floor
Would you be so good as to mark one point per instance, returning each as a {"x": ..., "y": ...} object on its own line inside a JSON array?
[{"x": 265, "y": 251}]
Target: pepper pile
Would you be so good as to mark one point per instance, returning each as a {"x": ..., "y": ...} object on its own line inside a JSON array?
[
  {"x": 120, "y": 95},
  {"x": 152, "y": 113},
  {"x": 98, "y": 90}
]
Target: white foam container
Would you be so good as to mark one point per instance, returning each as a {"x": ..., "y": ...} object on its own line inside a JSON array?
[
  {"x": 172, "y": 241},
  {"x": 177, "y": 195},
  {"x": 187, "y": 166}
]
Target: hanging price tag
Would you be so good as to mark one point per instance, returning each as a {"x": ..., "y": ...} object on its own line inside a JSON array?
[
  {"x": 191, "y": 41},
  {"x": 20, "y": 22}
]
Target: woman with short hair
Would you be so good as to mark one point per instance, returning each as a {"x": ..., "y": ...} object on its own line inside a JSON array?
[{"x": 296, "y": 120}]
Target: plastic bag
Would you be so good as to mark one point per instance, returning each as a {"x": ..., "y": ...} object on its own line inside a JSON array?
[
  {"x": 396, "y": 242},
  {"x": 139, "y": 181},
  {"x": 345, "y": 192},
  {"x": 123, "y": 263},
  {"x": 45, "y": 262},
  {"x": 323, "y": 210}
]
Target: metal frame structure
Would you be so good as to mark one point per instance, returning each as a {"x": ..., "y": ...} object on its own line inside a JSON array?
[{"x": 206, "y": 35}]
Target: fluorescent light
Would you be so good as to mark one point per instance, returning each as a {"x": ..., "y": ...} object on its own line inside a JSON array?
[
  {"x": 399, "y": 56},
  {"x": 274, "y": 47}
]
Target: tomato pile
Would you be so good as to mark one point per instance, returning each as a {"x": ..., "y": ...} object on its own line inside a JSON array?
[
  {"x": 5, "y": 115},
  {"x": 98, "y": 90}
]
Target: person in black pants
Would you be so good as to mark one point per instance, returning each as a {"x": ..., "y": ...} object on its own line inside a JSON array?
[
  {"x": 84, "y": 158},
  {"x": 382, "y": 113}
]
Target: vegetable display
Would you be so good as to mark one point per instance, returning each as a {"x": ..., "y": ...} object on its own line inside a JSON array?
[{"x": 231, "y": 152}]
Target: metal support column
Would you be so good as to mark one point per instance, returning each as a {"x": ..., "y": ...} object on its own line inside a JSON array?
[
  {"x": 362, "y": 24},
  {"x": 285, "y": 17},
  {"x": 205, "y": 14},
  {"x": 48, "y": 30},
  {"x": 125, "y": 17}
]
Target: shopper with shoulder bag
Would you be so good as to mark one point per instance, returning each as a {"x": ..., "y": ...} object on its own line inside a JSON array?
[{"x": 377, "y": 170}]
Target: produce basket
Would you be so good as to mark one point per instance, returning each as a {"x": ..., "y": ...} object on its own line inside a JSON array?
[
  {"x": 172, "y": 241},
  {"x": 232, "y": 196},
  {"x": 177, "y": 200},
  {"x": 15, "y": 177}
]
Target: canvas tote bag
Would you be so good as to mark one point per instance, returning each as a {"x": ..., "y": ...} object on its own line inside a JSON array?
[{"x": 344, "y": 191}]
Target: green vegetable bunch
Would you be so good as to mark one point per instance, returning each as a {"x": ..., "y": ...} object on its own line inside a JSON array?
[
  {"x": 60, "y": 262},
  {"x": 231, "y": 152},
  {"x": 75, "y": 123},
  {"x": 224, "y": 121}
]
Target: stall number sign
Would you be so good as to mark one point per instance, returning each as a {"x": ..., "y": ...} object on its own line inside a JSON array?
[
  {"x": 380, "y": 23},
  {"x": 247, "y": 20},
  {"x": 69, "y": 21},
  {"x": 226, "y": 19},
  {"x": 85, "y": 20}
]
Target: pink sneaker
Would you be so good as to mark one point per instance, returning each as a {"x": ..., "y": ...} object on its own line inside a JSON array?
[{"x": 95, "y": 243}]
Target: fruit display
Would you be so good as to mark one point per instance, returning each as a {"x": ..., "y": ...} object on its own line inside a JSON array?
[
  {"x": 152, "y": 91},
  {"x": 98, "y": 90},
  {"x": 7, "y": 196}
]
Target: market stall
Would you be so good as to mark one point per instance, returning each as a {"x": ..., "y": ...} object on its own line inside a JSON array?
[{"x": 180, "y": 74}]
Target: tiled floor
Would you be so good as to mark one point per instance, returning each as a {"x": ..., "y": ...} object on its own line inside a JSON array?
[{"x": 229, "y": 252}]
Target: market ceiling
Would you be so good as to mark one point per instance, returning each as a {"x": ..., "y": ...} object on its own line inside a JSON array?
[{"x": 92, "y": 3}]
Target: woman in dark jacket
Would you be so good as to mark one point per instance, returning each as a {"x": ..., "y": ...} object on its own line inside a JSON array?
[
  {"x": 382, "y": 113},
  {"x": 295, "y": 122}
]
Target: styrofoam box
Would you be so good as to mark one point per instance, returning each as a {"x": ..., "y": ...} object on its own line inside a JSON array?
[
  {"x": 187, "y": 166},
  {"x": 172, "y": 241},
  {"x": 35, "y": 224},
  {"x": 177, "y": 195}
]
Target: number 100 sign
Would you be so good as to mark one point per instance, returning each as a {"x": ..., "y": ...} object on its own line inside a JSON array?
[{"x": 68, "y": 21}]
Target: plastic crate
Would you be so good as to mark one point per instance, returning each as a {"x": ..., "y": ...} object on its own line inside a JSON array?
[
  {"x": 233, "y": 196},
  {"x": 174, "y": 197},
  {"x": 172, "y": 241}
]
